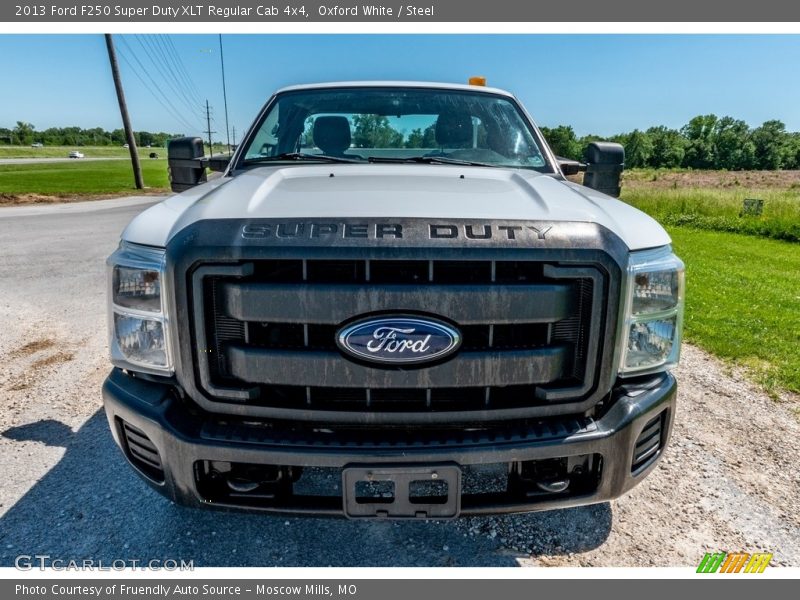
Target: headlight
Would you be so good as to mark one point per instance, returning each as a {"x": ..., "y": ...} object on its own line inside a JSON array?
[
  {"x": 653, "y": 317},
  {"x": 139, "y": 336}
]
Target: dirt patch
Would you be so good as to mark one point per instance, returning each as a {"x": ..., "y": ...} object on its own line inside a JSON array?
[
  {"x": 32, "y": 348},
  {"x": 33, "y": 374},
  {"x": 726, "y": 180},
  {"x": 27, "y": 199},
  {"x": 55, "y": 359}
]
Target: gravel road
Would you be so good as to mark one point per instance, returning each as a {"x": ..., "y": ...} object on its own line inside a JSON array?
[{"x": 729, "y": 480}]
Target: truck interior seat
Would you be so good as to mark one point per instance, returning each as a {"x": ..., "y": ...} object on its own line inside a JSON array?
[
  {"x": 453, "y": 130},
  {"x": 332, "y": 135}
]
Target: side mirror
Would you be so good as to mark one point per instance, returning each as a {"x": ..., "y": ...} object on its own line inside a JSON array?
[
  {"x": 604, "y": 164},
  {"x": 219, "y": 162},
  {"x": 569, "y": 166},
  {"x": 187, "y": 167}
]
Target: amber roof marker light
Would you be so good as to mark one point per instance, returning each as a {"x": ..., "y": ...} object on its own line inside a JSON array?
[{"x": 477, "y": 80}]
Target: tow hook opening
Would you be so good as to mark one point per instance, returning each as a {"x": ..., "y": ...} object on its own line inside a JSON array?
[
  {"x": 224, "y": 479},
  {"x": 564, "y": 475}
]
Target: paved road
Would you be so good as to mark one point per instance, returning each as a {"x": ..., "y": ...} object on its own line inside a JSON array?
[
  {"x": 67, "y": 491},
  {"x": 729, "y": 481}
]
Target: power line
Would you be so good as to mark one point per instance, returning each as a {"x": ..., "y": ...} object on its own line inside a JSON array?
[
  {"x": 165, "y": 102},
  {"x": 159, "y": 60},
  {"x": 208, "y": 130},
  {"x": 180, "y": 95},
  {"x": 170, "y": 109},
  {"x": 183, "y": 82},
  {"x": 172, "y": 52}
]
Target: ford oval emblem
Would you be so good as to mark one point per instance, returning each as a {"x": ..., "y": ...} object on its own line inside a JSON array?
[{"x": 401, "y": 340}]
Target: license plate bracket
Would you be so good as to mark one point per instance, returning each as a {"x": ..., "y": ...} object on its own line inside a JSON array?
[{"x": 402, "y": 491}]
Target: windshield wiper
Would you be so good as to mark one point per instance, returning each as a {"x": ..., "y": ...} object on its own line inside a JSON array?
[
  {"x": 300, "y": 156},
  {"x": 430, "y": 160}
]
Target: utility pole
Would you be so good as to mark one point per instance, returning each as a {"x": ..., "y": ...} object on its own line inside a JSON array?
[
  {"x": 224, "y": 94},
  {"x": 208, "y": 130},
  {"x": 123, "y": 109}
]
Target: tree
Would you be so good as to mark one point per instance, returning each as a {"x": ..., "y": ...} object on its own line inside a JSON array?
[
  {"x": 793, "y": 160},
  {"x": 638, "y": 149},
  {"x": 118, "y": 137},
  {"x": 23, "y": 133},
  {"x": 669, "y": 147},
  {"x": 419, "y": 138},
  {"x": 563, "y": 141},
  {"x": 375, "y": 131},
  {"x": 772, "y": 145},
  {"x": 699, "y": 134},
  {"x": 733, "y": 149}
]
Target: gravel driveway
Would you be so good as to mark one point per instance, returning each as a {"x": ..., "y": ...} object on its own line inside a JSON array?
[{"x": 729, "y": 480}]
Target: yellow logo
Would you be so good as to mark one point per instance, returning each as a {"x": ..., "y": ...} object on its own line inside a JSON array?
[{"x": 734, "y": 562}]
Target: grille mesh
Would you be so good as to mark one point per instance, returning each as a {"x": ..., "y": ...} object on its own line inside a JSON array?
[{"x": 571, "y": 332}]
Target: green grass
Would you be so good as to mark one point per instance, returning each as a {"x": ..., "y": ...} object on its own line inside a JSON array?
[
  {"x": 78, "y": 177},
  {"x": 89, "y": 151},
  {"x": 719, "y": 209},
  {"x": 743, "y": 302},
  {"x": 63, "y": 151}
]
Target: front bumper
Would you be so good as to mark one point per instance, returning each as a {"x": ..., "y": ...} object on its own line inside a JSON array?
[{"x": 186, "y": 439}]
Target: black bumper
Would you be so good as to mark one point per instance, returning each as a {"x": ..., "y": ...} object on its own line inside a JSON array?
[{"x": 185, "y": 439}]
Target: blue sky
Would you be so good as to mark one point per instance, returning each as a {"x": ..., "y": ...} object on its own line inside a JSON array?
[{"x": 600, "y": 84}]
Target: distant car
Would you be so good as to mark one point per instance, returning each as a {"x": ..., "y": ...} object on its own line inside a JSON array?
[
  {"x": 125, "y": 146},
  {"x": 37, "y": 145},
  {"x": 75, "y": 154}
]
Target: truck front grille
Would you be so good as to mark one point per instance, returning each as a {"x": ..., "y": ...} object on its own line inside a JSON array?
[{"x": 531, "y": 335}]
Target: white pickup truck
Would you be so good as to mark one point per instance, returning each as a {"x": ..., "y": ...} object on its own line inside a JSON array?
[{"x": 393, "y": 287}]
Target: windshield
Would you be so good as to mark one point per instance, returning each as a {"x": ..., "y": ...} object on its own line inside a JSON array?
[{"x": 395, "y": 125}]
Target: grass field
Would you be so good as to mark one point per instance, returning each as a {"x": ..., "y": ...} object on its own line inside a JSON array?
[
  {"x": 89, "y": 151},
  {"x": 714, "y": 200},
  {"x": 77, "y": 178},
  {"x": 743, "y": 298},
  {"x": 743, "y": 302},
  {"x": 63, "y": 151},
  {"x": 743, "y": 272}
]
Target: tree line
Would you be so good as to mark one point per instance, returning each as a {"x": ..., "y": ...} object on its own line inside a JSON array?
[
  {"x": 25, "y": 134},
  {"x": 706, "y": 142}
]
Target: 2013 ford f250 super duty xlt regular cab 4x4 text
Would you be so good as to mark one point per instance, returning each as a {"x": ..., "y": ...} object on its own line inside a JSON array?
[{"x": 393, "y": 304}]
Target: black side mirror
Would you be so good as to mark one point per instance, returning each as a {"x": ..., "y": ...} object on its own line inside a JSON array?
[
  {"x": 187, "y": 168},
  {"x": 219, "y": 162},
  {"x": 604, "y": 164},
  {"x": 569, "y": 166}
]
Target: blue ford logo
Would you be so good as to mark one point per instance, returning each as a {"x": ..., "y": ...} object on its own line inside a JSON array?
[{"x": 399, "y": 340}]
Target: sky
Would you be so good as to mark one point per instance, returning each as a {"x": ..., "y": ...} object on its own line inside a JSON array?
[{"x": 600, "y": 84}]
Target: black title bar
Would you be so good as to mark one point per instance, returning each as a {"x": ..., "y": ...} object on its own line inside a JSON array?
[{"x": 433, "y": 11}]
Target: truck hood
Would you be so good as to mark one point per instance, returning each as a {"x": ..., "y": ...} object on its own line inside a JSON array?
[{"x": 398, "y": 191}]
